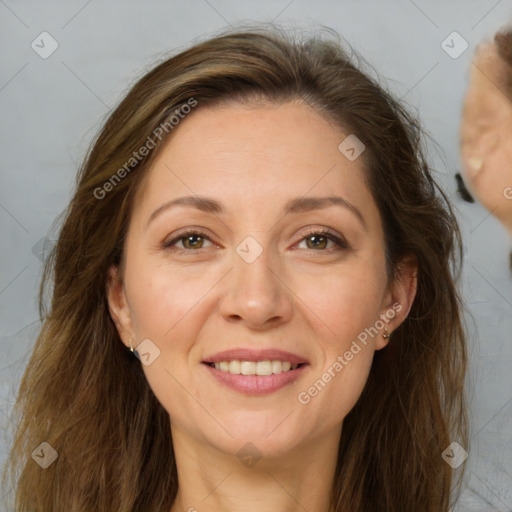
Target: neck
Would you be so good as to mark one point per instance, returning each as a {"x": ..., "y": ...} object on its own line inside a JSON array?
[{"x": 211, "y": 480}]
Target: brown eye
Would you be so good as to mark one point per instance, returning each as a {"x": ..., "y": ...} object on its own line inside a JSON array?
[
  {"x": 318, "y": 240},
  {"x": 191, "y": 240}
]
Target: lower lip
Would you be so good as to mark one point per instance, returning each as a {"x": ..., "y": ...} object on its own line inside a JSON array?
[{"x": 256, "y": 384}]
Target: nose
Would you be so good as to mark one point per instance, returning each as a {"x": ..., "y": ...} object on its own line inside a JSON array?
[{"x": 255, "y": 293}]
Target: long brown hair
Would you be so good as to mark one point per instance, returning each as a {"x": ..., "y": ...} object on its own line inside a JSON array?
[{"x": 86, "y": 396}]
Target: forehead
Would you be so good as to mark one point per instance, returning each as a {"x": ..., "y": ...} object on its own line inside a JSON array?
[{"x": 249, "y": 156}]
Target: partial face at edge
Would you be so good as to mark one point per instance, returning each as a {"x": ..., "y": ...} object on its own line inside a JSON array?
[
  {"x": 485, "y": 135},
  {"x": 256, "y": 278}
]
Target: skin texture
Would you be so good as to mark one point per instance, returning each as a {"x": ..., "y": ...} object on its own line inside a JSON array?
[
  {"x": 307, "y": 299},
  {"x": 486, "y": 133}
]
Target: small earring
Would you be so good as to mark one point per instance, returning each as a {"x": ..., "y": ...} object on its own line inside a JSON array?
[
  {"x": 133, "y": 350},
  {"x": 386, "y": 335}
]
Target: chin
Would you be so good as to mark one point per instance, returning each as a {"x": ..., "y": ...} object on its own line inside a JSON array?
[
  {"x": 269, "y": 434},
  {"x": 255, "y": 445}
]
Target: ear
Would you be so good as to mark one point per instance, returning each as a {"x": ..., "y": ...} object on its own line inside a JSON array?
[
  {"x": 118, "y": 305},
  {"x": 399, "y": 299}
]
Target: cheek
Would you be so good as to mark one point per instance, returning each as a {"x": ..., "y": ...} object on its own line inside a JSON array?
[
  {"x": 348, "y": 304},
  {"x": 331, "y": 392},
  {"x": 164, "y": 307},
  {"x": 168, "y": 307},
  {"x": 346, "y": 300},
  {"x": 162, "y": 297}
]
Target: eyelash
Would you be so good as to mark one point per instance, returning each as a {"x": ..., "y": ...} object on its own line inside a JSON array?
[{"x": 342, "y": 244}]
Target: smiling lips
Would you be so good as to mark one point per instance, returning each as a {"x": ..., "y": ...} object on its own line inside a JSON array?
[{"x": 255, "y": 372}]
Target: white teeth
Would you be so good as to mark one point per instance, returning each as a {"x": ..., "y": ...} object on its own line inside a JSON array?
[
  {"x": 264, "y": 368},
  {"x": 248, "y": 368},
  {"x": 234, "y": 367},
  {"x": 277, "y": 367},
  {"x": 267, "y": 367}
]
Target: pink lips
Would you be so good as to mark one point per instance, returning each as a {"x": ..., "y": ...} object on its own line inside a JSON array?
[{"x": 256, "y": 384}]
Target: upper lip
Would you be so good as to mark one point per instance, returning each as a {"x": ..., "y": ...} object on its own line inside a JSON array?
[{"x": 244, "y": 354}]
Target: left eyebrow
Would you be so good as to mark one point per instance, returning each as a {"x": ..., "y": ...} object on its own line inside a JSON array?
[{"x": 306, "y": 204}]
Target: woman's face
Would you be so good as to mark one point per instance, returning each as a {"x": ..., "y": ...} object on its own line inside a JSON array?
[{"x": 256, "y": 284}]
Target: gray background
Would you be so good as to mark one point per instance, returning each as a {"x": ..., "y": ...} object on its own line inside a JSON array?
[{"x": 51, "y": 108}]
